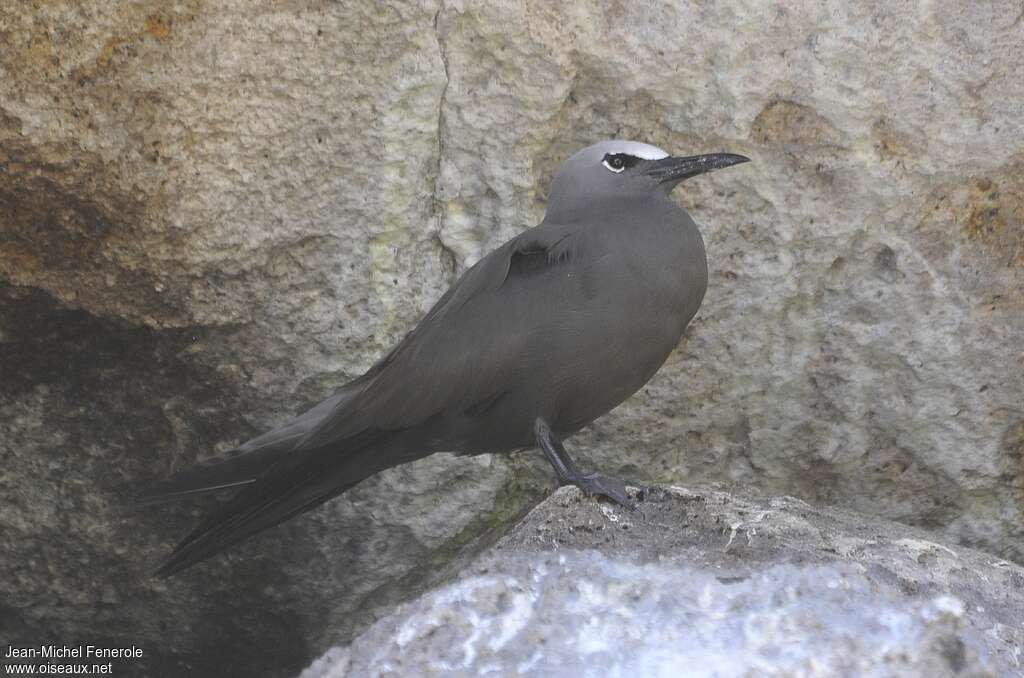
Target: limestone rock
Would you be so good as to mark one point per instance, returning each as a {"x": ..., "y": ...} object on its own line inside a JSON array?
[{"x": 703, "y": 583}]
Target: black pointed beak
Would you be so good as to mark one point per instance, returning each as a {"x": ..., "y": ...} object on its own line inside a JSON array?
[{"x": 674, "y": 169}]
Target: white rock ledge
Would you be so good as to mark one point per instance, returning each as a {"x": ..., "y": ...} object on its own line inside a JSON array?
[{"x": 704, "y": 583}]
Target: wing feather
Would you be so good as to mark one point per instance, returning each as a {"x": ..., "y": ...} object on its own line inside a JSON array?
[{"x": 442, "y": 365}]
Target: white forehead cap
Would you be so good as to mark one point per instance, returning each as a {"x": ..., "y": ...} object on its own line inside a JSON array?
[{"x": 634, "y": 148}]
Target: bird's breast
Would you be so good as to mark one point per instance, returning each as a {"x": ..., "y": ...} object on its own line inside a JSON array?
[{"x": 625, "y": 310}]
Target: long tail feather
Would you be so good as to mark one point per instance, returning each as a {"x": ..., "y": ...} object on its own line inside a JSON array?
[
  {"x": 299, "y": 482},
  {"x": 241, "y": 466}
]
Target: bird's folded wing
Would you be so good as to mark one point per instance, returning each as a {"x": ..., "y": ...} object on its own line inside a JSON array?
[{"x": 447, "y": 362}]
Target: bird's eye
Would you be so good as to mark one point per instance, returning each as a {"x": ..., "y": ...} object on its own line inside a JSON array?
[{"x": 616, "y": 163}]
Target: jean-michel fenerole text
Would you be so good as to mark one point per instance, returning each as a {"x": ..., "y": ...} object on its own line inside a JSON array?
[{"x": 72, "y": 651}]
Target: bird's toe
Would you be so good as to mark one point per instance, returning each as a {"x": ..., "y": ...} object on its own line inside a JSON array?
[{"x": 605, "y": 486}]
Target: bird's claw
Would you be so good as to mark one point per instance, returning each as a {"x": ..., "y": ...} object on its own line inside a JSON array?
[{"x": 599, "y": 484}]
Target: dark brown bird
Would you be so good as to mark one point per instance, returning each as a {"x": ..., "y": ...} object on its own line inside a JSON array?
[{"x": 541, "y": 337}]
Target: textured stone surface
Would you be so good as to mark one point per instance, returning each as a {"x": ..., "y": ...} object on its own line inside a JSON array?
[
  {"x": 213, "y": 213},
  {"x": 588, "y": 615},
  {"x": 704, "y": 583}
]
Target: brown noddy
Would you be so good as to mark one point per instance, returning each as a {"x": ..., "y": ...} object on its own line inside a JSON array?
[{"x": 539, "y": 338}]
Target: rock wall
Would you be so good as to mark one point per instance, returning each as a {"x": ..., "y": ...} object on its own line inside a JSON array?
[{"x": 211, "y": 214}]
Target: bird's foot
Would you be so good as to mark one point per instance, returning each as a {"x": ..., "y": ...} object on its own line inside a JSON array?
[
  {"x": 605, "y": 486},
  {"x": 569, "y": 474}
]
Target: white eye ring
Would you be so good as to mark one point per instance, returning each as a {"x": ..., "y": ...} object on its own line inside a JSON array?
[{"x": 613, "y": 169}]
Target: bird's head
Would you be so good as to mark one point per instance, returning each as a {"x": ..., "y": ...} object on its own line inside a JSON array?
[{"x": 618, "y": 169}]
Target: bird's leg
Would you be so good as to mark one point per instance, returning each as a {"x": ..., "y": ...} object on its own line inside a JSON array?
[{"x": 569, "y": 474}]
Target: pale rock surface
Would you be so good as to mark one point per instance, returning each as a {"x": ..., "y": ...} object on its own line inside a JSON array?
[
  {"x": 704, "y": 583},
  {"x": 212, "y": 214}
]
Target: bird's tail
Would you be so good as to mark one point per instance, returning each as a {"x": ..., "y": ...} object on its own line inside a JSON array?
[
  {"x": 280, "y": 474},
  {"x": 240, "y": 466},
  {"x": 298, "y": 482},
  {"x": 235, "y": 469}
]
